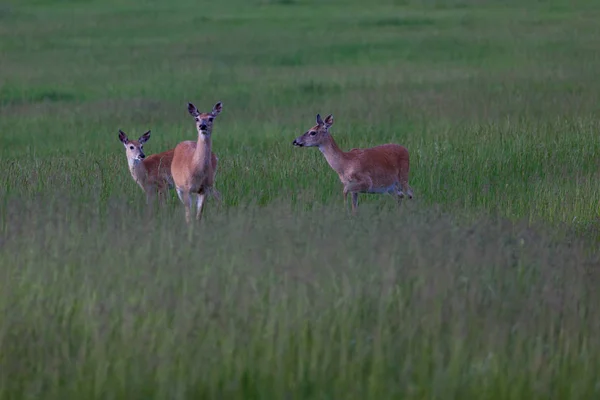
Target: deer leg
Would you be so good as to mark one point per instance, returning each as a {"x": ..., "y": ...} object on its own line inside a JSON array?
[
  {"x": 180, "y": 195},
  {"x": 359, "y": 183},
  {"x": 150, "y": 198},
  {"x": 199, "y": 205},
  {"x": 165, "y": 192},
  {"x": 404, "y": 188},
  {"x": 160, "y": 194},
  {"x": 148, "y": 193},
  {"x": 399, "y": 197},
  {"x": 345, "y": 199},
  {"x": 186, "y": 199},
  {"x": 399, "y": 194},
  {"x": 354, "y": 202}
]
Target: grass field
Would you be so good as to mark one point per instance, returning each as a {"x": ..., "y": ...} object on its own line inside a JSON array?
[{"x": 485, "y": 285}]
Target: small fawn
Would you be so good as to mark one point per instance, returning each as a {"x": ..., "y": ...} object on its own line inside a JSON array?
[
  {"x": 194, "y": 164},
  {"x": 152, "y": 173},
  {"x": 379, "y": 169}
]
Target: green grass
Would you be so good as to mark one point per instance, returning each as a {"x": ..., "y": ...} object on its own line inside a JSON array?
[{"x": 483, "y": 286}]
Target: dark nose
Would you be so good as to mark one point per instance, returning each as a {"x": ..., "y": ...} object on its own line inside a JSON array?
[
  {"x": 295, "y": 143},
  {"x": 142, "y": 156},
  {"x": 203, "y": 127}
]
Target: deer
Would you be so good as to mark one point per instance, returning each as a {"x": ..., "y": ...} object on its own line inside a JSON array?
[
  {"x": 153, "y": 173},
  {"x": 382, "y": 169},
  {"x": 194, "y": 164}
]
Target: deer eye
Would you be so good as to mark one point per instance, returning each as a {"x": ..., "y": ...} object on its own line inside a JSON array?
[
  {"x": 211, "y": 119},
  {"x": 131, "y": 147},
  {"x": 197, "y": 119},
  {"x": 313, "y": 133}
]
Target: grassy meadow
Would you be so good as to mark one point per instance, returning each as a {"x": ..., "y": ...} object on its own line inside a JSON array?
[{"x": 485, "y": 285}]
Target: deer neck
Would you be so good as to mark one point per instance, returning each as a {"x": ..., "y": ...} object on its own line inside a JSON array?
[
  {"x": 138, "y": 170},
  {"x": 203, "y": 151},
  {"x": 335, "y": 157}
]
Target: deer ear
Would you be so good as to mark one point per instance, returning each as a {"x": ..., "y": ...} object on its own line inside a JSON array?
[
  {"x": 193, "y": 110},
  {"x": 144, "y": 138},
  {"x": 123, "y": 137},
  {"x": 319, "y": 119},
  {"x": 217, "y": 109},
  {"x": 328, "y": 120}
]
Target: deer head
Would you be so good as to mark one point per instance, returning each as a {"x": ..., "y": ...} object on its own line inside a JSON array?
[
  {"x": 134, "y": 149},
  {"x": 204, "y": 121},
  {"x": 316, "y": 135}
]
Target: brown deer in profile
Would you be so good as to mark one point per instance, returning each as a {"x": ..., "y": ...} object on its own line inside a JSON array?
[
  {"x": 153, "y": 173},
  {"x": 379, "y": 169},
  {"x": 194, "y": 164}
]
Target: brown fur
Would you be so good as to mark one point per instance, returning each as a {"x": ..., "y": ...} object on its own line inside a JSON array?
[
  {"x": 153, "y": 173},
  {"x": 194, "y": 164},
  {"x": 379, "y": 169}
]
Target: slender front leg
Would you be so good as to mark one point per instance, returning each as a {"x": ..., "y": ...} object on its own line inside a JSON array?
[
  {"x": 150, "y": 200},
  {"x": 159, "y": 196},
  {"x": 199, "y": 205},
  {"x": 354, "y": 202},
  {"x": 164, "y": 194},
  {"x": 358, "y": 183},
  {"x": 405, "y": 188},
  {"x": 180, "y": 195},
  {"x": 149, "y": 197},
  {"x": 399, "y": 196},
  {"x": 345, "y": 199},
  {"x": 186, "y": 199}
]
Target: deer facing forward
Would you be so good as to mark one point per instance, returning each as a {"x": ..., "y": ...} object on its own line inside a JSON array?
[
  {"x": 153, "y": 173},
  {"x": 380, "y": 169},
  {"x": 194, "y": 164}
]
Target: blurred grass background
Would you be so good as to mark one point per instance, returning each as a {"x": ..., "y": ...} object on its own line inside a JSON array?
[{"x": 483, "y": 285}]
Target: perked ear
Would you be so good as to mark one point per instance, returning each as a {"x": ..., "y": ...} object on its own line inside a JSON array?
[
  {"x": 193, "y": 110},
  {"x": 123, "y": 137},
  {"x": 217, "y": 109},
  {"x": 144, "y": 138},
  {"x": 328, "y": 121},
  {"x": 319, "y": 119}
]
